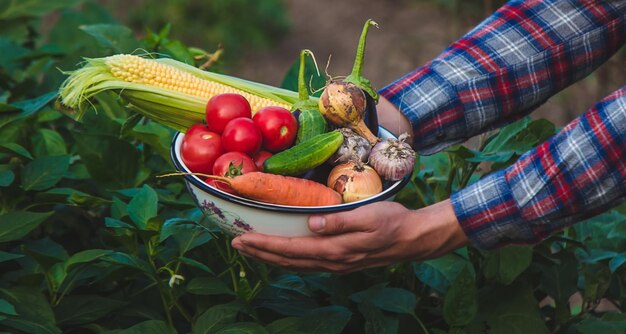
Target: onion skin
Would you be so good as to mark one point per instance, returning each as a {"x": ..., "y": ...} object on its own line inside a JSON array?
[
  {"x": 343, "y": 104},
  {"x": 354, "y": 181},
  {"x": 393, "y": 159}
]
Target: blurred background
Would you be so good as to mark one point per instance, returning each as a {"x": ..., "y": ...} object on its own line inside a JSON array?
[{"x": 261, "y": 39}]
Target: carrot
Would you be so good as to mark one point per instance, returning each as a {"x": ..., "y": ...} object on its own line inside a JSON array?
[{"x": 279, "y": 189}]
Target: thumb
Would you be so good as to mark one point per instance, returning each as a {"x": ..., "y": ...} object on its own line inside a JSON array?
[{"x": 338, "y": 223}]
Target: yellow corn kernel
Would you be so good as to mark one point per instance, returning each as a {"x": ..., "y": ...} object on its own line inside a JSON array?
[{"x": 140, "y": 70}]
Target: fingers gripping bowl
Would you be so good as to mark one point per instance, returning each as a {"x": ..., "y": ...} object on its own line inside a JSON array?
[{"x": 235, "y": 215}]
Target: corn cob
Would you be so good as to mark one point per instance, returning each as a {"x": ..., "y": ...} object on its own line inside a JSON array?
[{"x": 170, "y": 92}]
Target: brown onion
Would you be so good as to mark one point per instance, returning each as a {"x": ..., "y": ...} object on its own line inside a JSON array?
[
  {"x": 354, "y": 181},
  {"x": 392, "y": 158}
]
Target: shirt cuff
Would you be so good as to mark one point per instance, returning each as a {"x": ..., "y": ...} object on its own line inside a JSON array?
[
  {"x": 432, "y": 106},
  {"x": 489, "y": 214}
]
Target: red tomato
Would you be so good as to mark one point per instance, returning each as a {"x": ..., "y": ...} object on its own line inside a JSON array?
[
  {"x": 278, "y": 126},
  {"x": 223, "y": 108},
  {"x": 260, "y": 158},
  {"x": 200, "y": 148},
  {"x": 242, "y": 135},
  {"x": 241, "y": 164}
]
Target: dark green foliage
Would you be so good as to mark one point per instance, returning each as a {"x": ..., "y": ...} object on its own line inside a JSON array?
[{"x": 92, "y": 242}]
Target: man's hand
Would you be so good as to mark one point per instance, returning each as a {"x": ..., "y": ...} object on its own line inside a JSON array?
[{"x": 373, "y": 235}]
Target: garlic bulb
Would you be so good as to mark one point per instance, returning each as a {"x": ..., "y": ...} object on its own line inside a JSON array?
[
  {"x": 392, "y": 158},
  {"x": 353, "y": 147}
]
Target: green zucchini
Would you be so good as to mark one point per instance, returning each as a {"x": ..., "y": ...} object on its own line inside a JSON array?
[
  {"x": 311, "y": 123},
  {"x": 304, "y": 156}
]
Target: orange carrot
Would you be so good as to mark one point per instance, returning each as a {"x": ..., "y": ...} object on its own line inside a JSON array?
[
  {"x": 279, "y": 189},
  {"x": 276, "y": 189}
]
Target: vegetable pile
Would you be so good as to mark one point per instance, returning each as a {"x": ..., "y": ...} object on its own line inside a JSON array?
[{"x": 254, "y": 140}]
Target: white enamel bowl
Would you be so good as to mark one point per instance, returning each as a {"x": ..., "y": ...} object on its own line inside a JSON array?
[{"x": 235, "y": 215}]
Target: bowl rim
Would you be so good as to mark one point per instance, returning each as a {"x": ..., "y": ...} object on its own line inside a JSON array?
[{"x": 196, "y": 181}]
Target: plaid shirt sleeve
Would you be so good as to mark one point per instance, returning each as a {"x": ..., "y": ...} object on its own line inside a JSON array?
[
  {"x": 506, "y": 67},
  {"x": 576, "y": 174},
  {"x": 503, "y": 69}
]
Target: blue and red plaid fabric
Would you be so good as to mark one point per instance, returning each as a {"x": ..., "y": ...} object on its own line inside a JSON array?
[{"x": 503, "y": 69}]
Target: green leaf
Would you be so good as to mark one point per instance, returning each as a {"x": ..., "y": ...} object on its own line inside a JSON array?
[
  {"x": 85, "y": 256},
  {"x": 17, "y": 148},
  {"x": 206, "y": 286},
  {"x": 35, "y": 314},
  {"x": 72, "y": 197},
  {"x": 242, "y": 328},
  {"x": 148, "y": 326},
  {"x": 324, "y": 320},
  {"x": 178, "y": 51},
  {"x": 157, "y": 136},
  {"x": 46, "y": 252},
  {"x": 617, "y": 262},
  {"x": 560, "y": 280},
  {"x": 112, "y": 162},
  {"x": 114, "y": 223},
  {"x": 214, "y": 318},
  {"x": 29, "y": 326},
  {"x": 143, "y": 206},
  {"x": 7, "y": 308},
  {"x": 10, "y": 61},
  {"x": 48, "y": 142},
  {"x": 110, "y": 256},
  {"x": 114, "y": 37},
  {"x": 505, "y": 136},
  {"x": 118, "y": 208},
  {"x": 376, "y": 322},
  {"x": 15, "y": 225},
  {"x": 288, "y": 325},
  {"x": 44, "y": 172},
  {"x": 31, "y": 106},
  {"x": 4, "y": 256},
  {"x": 188, "y": 234},
  {"x": 195, "y": 264},
  {"x": 505, "y": 264},
  {"x": 439, "y": 273},
  {"x": 389, "y": 299},
  {"x": 83, "y": 309},
  {"x": 618, "y": 230},
  {"x": 312, "y": 78},
  {"x": 128, "y": 261},
  {"x": 508, "y": 309},
  {"x": 293, "y": 283},
  {"x": 460, "y": 304},
  {"x": 10, "y": 9},
  {"x": 6, "y": 178},
  {"x": 595, "y": 326}
]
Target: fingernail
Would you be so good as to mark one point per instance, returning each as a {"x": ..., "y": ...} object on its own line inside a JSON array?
[
  {"x": 317, "y": 223},
  {"x": 244, "y": 240},
  {"x": 236, "y": 243}
]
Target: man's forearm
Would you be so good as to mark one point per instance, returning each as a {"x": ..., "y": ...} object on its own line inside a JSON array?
[{"x": 506, "y": 67}]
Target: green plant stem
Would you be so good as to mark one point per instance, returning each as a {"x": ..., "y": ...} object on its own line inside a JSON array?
[
  {"x": 166, "y": 308},
  {"x": 420, "y": 323},
  {"x": 451, "y": 174},
  {"x": 57, "y": 300},
  {"x": 179, "y": 307},
  {"x": 233, "y": 274},
  {"x": 51, "y": 290},
  {"x": 231, "y": 266}
]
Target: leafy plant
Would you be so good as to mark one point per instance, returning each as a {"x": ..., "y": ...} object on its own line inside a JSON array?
[{"x": 92, "y": 242}]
